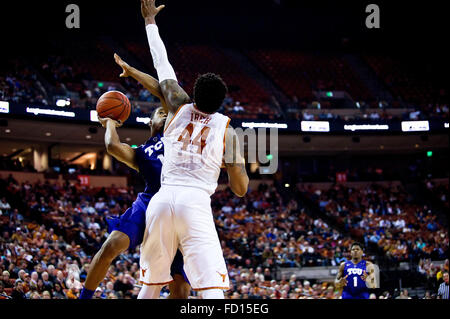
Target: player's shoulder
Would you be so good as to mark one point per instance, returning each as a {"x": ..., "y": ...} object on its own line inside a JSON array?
[
  {"x": 223, "y": 116},
  {"x": 154, "y": 139},
  {"x": 151, "y": 141},
  {"x": 187, "y": 106}
]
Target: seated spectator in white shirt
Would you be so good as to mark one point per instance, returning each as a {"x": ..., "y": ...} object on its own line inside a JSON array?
[
  {"x": 307, "y": 116},
  {"x": 238, "y": 107}
]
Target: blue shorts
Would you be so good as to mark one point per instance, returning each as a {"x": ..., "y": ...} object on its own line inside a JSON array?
[
  {"x": 361, "y": 295},
  {"x": 177, "y": 266},
  {"x": 132, "y": 224}
]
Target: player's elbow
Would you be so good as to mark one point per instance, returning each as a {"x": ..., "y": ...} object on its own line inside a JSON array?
[
  {"x": 240, "y": 192},
  {"x": 240, "y": 188}
]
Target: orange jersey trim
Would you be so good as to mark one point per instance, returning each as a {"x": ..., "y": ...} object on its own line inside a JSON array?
[
  {"x": 155, "y": 284},
  {"x": 179, "y": 108},
  {"x": 208, "y": 288},
  {"x": 225, "y": 134}
]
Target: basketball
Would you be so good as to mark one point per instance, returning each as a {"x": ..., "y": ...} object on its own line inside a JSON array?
[{"x": 115, "y": 105}]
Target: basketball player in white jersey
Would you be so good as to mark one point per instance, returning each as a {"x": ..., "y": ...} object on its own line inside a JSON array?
[{"x": 196, "y": 138}]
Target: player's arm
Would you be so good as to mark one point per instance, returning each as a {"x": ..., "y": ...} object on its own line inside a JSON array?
[
  {"x": 235, "y": 164},
  {"x": 174, "y": 95},
  {"x": 120, "y": 151},
  {"x": 148, "y": 81},
  {"x": 340, "y": 282}
]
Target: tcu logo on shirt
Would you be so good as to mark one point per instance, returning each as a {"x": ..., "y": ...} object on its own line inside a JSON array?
[
  {"x": 149, "y": 150},
  {"x": 355, "y": 271}
]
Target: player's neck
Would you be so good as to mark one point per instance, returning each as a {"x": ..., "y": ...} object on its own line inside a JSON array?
[
  {"x": 356, "y": 261},
  {"x": 153, "y": 132}
]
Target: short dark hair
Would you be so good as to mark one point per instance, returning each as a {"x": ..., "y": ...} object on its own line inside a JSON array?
[
  {"x": 209, "y": 92},
  {"x": 154, "y": 112},
  {"x": 357, "y": 244}
]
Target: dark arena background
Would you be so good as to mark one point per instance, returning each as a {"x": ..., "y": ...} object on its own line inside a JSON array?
[{"x": 363, "y": 145}]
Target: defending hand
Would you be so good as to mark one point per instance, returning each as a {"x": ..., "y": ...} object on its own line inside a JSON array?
[
  {"x": 149, "y": 10},
  {"x": 126, "y": 69}
]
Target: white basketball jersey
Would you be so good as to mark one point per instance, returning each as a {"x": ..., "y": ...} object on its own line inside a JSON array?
[{"x": 194, "y": 144}]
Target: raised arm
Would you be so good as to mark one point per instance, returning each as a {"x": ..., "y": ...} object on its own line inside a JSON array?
[
  {"x": 174, "y": 95},
  {"x": 148, "y": 81},
  {"x": 235, "y": 164},
  {"x": 120, "y": 151}
]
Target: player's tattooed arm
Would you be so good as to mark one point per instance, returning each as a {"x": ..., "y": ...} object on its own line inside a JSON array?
[
  {"x": 120, "y": 151},
  {"x": 174, "y": 94},
  {"x": 148, "y": 82},
  {"x": 235, "y": 164},
  {"x": 341, "y": 280}
]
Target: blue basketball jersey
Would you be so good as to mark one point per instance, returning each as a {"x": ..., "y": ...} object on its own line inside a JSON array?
[
  {"x": 355, "y": 285},
  {"x": 149, "y": 157}
]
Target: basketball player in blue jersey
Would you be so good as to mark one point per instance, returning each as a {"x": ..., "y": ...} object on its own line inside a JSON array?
[
  {"x": 127, "y": 231},
  {"x": 355, "y": 276}
]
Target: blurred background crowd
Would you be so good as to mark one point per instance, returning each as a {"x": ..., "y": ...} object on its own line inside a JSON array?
[{"x": 50, "y": 234}]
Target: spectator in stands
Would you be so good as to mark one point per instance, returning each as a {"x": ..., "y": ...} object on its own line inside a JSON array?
[
  {"x": 58, "y": 292},
  {"x": 403, "y": 295},
  {"x": 375, "y": 238},
  {"x": 98, "y": 294},
  {"x": 374, "y": 116},
  {"x": 443, "y": 291},
  {"x": 338, "y": 256},
  {"x": 51, "y": 270},
  {"x": 46, "y": 295},
  {"x": 34, "y": 295},
  {"x": 413, "y": 116},
  {"x": 72, "y": 282},
  {"x": 47, "y": 285},
  {"x": 3, "y": 294},
  {"x": 60, "y": 279},
  {"x": 18, "y": 293},
  {"x": 73, "y": 293},
  {"x": 427, "y": 295},
  {"x": 238, "y": 108},
  {"x": 6, "y": 279},
  {"x": 4, "y": 207},
  {"x": 262, "y": 230},
  {"x": 307, "y": 116}
]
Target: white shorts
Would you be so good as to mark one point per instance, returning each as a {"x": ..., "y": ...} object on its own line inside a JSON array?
[{"x": 180, "y": 217}]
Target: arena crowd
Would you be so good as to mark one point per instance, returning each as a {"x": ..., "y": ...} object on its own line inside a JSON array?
[{"x": 50, "y": 233}]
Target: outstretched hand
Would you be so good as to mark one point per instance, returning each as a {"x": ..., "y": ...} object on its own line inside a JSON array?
[
  {"x": 149, "y": 10},
  {"x": 125, "y": 67}
]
